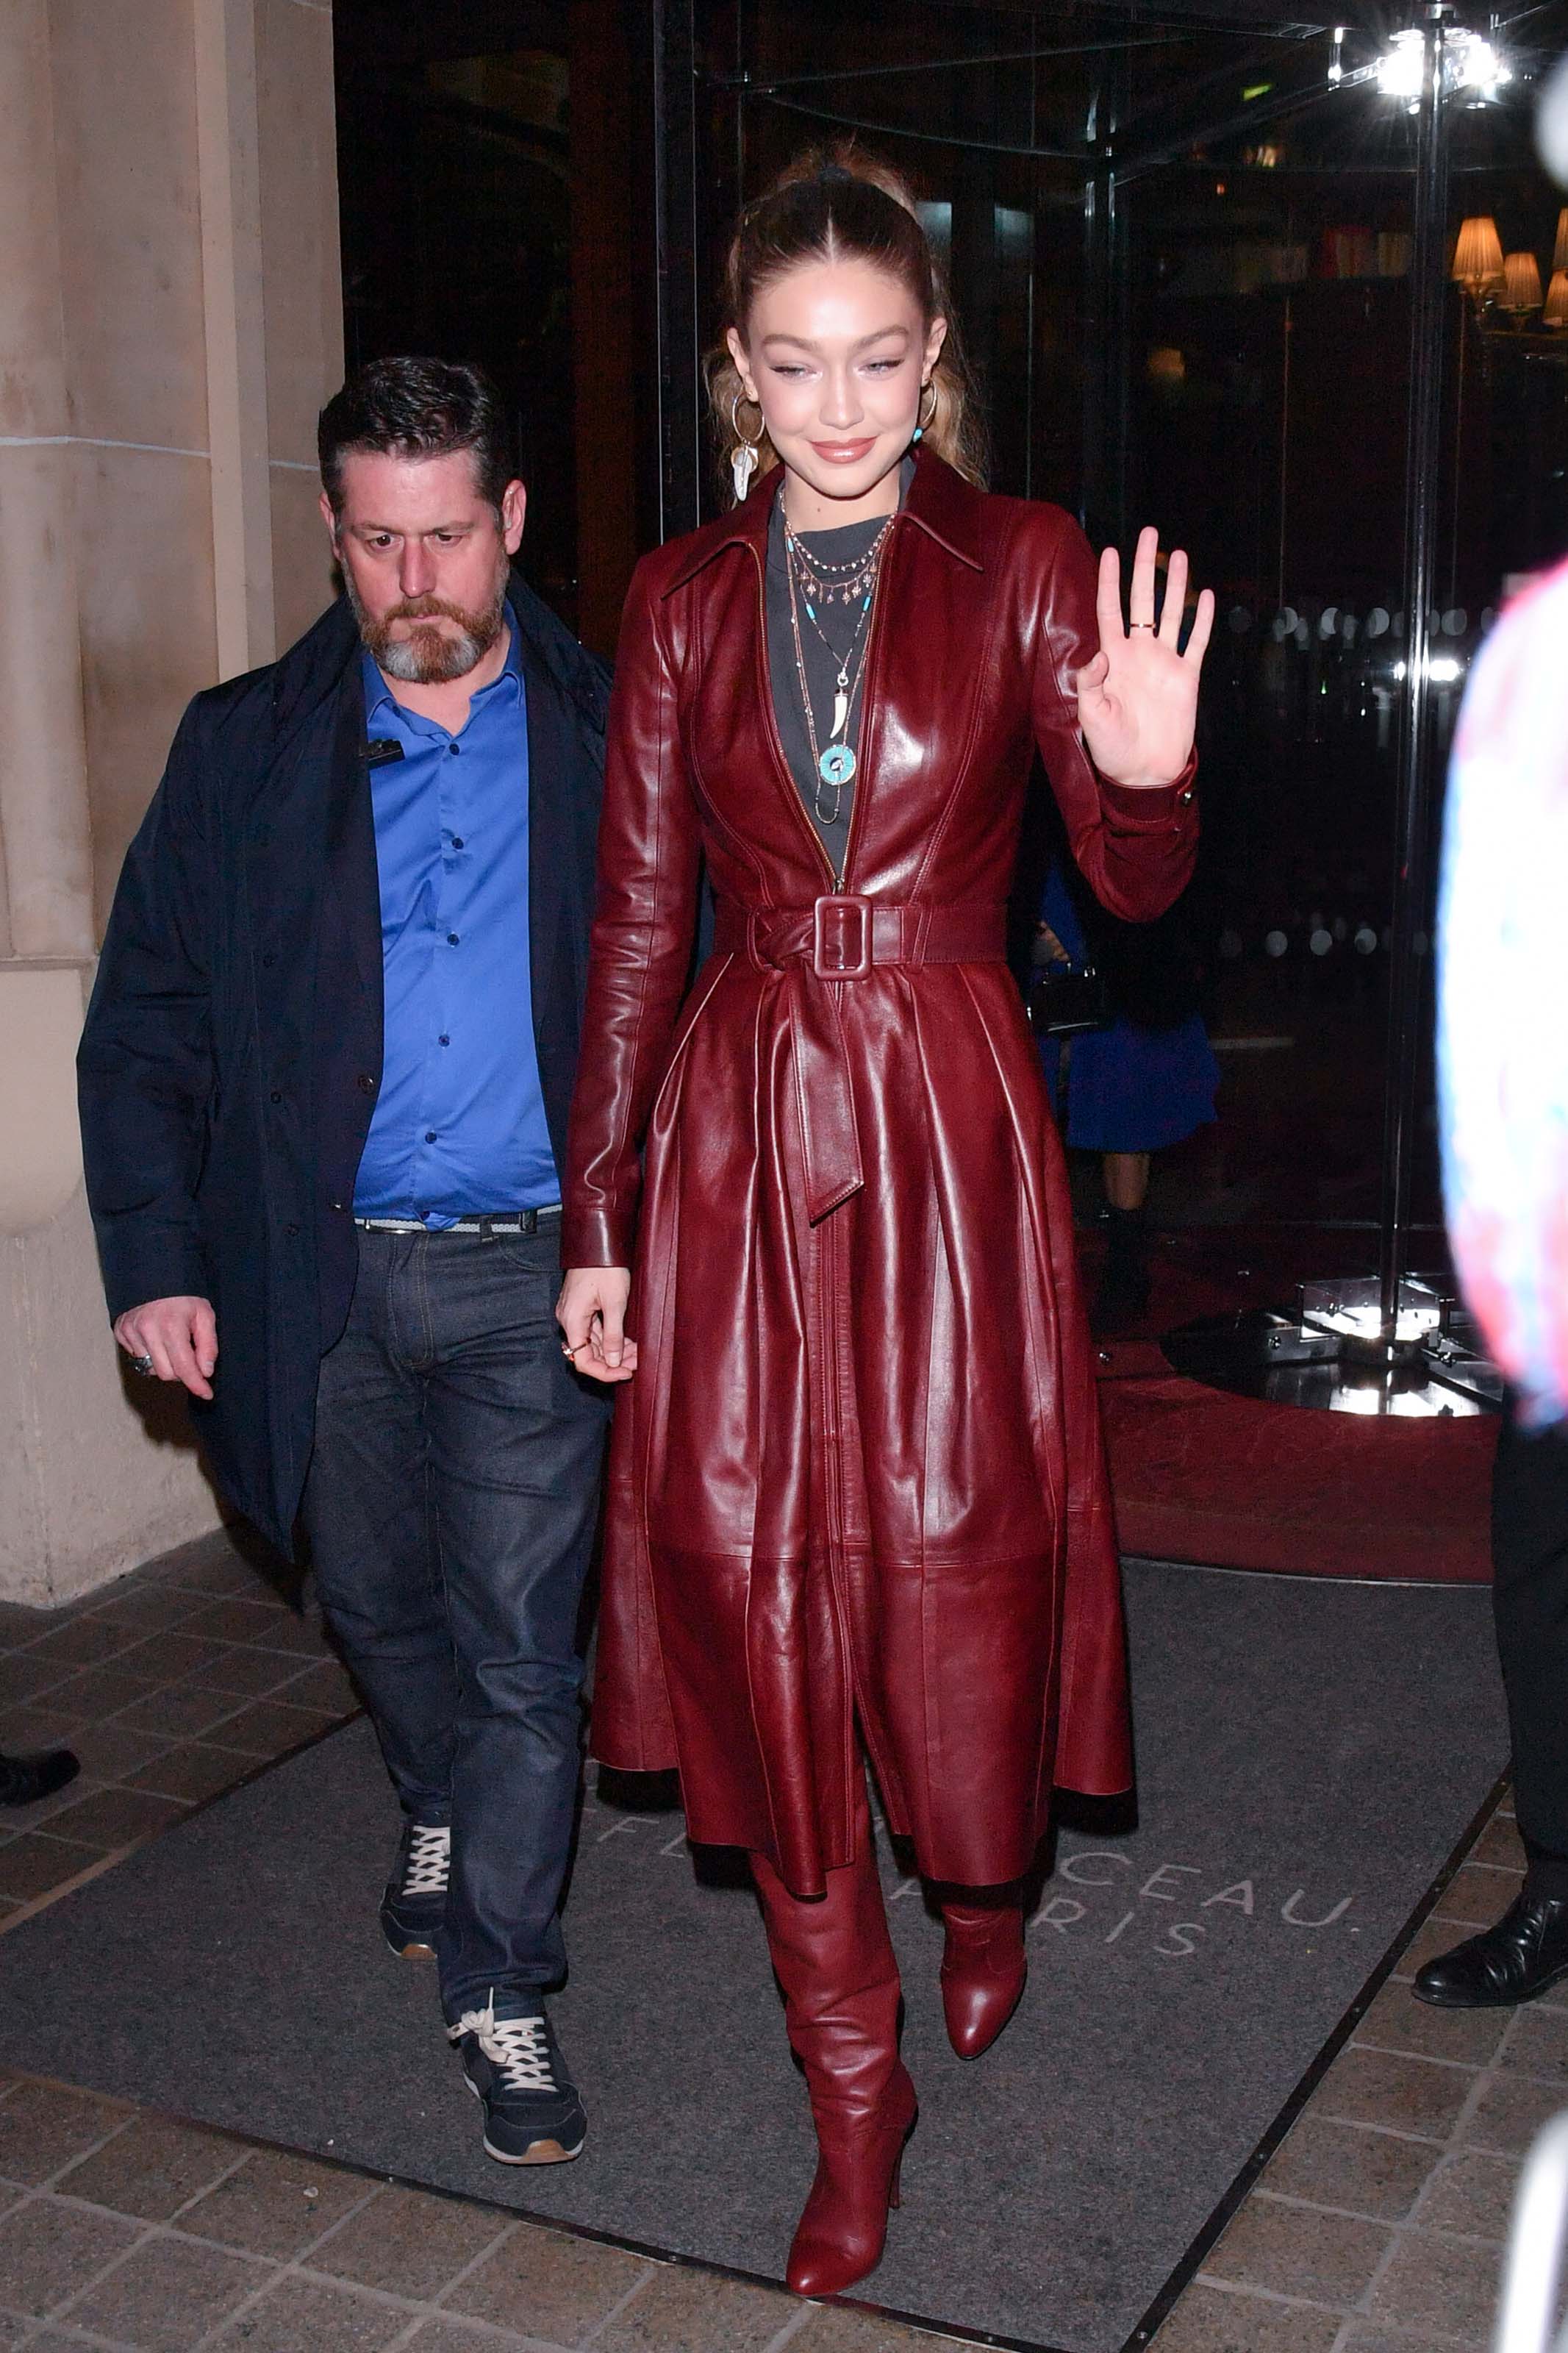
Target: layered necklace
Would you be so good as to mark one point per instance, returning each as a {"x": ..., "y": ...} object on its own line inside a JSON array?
[{"x": 814, "y": 585}]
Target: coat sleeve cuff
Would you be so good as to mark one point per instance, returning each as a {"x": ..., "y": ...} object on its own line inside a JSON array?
[
  {"x": 133, "y": 1280},
  {"x": 595, "y": 1237},
  {"x": 1150, "y": 808}
]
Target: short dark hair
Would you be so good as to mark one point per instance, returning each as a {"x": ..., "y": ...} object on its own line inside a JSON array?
[{"x": 417, "y": 408}]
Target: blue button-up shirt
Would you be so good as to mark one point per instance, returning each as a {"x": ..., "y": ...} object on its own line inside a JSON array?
[{"x": 459, "y": 1124}]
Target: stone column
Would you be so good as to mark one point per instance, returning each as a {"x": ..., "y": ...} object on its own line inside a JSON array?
[
  {"x": 43, "y": 769},
  {"x": 170, "y": 320},
  {"x": 228, "y": 140}
]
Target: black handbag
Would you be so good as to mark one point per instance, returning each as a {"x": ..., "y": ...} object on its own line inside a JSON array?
[{"x": 1065, "y": 999}]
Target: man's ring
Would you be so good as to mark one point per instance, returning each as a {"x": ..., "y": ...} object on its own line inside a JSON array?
[{"x": 142, "y": 1364}]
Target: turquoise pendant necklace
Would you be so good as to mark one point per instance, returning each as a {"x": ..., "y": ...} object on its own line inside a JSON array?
[{"x": 834, "y": 761}]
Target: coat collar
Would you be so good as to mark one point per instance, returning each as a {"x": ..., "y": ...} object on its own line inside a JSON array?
[{"x": 941, "y": 503}]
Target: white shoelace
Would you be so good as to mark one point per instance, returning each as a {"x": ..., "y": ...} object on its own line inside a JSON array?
[
  {"x": 430, "y": 1860},
  {"x": 515, "y": 2045}
]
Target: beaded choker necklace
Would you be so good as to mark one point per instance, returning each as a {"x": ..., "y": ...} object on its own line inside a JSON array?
[{"x": 837, "y": 584}]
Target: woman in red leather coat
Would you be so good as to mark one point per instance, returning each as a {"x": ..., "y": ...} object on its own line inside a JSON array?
[{"x": 857, "y": 1493}]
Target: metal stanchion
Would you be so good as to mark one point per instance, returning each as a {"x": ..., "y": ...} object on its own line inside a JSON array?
[{"x": 1419, "y": 782}]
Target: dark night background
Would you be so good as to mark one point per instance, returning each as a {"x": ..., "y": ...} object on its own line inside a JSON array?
[{"x": 1228, "y": 356}]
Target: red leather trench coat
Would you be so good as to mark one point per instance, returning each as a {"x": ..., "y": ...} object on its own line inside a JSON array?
[{"x": 858, "y": 1475}]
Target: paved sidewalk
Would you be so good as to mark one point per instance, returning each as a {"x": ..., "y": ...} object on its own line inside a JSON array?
[
  {"x": 127, "y": 2230},
  {"x": 1377, "y": 2227}
]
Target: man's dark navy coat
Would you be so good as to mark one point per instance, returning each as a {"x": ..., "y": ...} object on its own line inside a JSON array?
[{"x": 233, "y": 1047}]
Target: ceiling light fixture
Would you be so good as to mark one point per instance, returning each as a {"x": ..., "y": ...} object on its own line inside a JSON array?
[{"x": 1470, "y": 63}]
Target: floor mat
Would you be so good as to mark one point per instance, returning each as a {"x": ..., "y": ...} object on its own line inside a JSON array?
[{"x": 1309, "y": 1754}]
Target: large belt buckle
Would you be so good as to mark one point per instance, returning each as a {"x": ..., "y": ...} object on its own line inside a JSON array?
[{"x": 841, "y": 937}]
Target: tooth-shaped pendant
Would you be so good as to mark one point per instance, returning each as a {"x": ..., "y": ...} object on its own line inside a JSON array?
[{"x": 840, "y": 714}]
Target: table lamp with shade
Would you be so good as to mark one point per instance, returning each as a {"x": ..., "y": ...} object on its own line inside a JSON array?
[
  {"x": 1521, "y": 284},
  {"x": 1477, "y": 256}
]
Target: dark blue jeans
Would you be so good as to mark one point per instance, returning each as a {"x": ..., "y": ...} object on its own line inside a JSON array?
[{"x": 451, "y": 1509}]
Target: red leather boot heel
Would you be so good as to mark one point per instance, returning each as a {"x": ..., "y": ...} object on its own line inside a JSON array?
[
  {"x": 835, "y": 1961},
  {"x": 844, "y": 2224},
  {"x": 983, "y": 1972}
]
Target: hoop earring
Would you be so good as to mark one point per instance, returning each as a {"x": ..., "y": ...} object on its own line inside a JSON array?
[
  {"x": 920, "y": 431},
  {"x": 743, "y": 456}
]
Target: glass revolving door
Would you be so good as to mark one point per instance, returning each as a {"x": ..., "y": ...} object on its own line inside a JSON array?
[{"x": 1186, "y": 246}]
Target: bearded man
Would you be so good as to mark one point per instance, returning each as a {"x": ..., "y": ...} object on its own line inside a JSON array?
[{"x": 324, "y": 1085}]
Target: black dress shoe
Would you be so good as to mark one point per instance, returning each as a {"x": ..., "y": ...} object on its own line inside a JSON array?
[
  {"x": 25, "y": 1779},
  {"x": 1525, "y": 1953}
]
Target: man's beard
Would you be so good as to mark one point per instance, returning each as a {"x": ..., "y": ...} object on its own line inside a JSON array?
[{"x": 429, "y": 657}]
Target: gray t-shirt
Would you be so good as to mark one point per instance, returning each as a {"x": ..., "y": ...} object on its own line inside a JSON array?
[{"x": 838, "y": 622}]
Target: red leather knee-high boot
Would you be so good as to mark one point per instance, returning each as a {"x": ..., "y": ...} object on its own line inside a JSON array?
[
  {"x": 835, "y": 1961},
  {"x": 982, "y": 1971}
]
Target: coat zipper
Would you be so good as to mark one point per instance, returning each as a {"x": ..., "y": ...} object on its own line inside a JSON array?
[
  {"x": 867, "y": 705},
  {"x": 828, "y": 1267},
  {"x": 770, "y": 716}
]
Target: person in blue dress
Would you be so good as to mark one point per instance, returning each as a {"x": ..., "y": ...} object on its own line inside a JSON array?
[{"x": 1134, "y": 1085}]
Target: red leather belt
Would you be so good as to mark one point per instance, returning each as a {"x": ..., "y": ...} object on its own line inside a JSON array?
[{"x": 842, "y": 936}]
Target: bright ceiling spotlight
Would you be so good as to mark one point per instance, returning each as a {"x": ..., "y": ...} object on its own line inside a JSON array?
[
  {"x": 1479, "y": 67},
  {"x": 1402, "y": 68},
  {"x": 1470, "y": 63}
]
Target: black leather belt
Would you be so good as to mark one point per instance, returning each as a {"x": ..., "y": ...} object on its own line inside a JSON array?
[{"x": 492, "y": 1221}]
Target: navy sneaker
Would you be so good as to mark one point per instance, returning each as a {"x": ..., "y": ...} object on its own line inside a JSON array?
[
  {"x": 513, "y": 2065},
  {"x": 415, "y": 1903}
]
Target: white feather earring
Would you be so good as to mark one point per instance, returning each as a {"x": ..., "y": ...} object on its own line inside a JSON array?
[{"x": 743, "y": 455}]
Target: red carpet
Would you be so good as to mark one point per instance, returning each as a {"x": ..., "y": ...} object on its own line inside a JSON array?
[{"x": 1199, "y": 1475}]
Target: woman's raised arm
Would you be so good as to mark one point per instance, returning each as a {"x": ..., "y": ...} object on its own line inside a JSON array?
[{"x": 1115, "y": 709}]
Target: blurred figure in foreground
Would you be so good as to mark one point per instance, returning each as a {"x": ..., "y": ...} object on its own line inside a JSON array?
[{"x": 1503, "y": 1051}]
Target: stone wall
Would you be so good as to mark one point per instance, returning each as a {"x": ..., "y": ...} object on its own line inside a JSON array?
[{"x": 169, "y": 322}]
